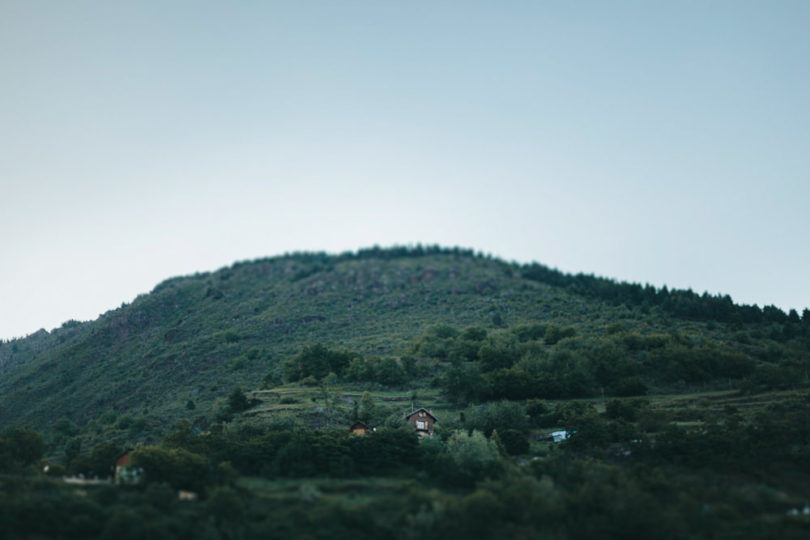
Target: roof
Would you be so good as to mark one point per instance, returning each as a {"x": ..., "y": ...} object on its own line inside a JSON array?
[
  {"x": 124, "y": 458},
  {"x": 429, "y": 413}
]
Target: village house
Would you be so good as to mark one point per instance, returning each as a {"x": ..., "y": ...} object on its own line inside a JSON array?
[
  {"x": 125, "y": 472},
  {"x": 422, "y": 421},
  {"x": 359, "y": 428}
]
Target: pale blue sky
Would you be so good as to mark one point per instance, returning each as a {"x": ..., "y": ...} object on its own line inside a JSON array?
[{"x": 660, "y": 142}]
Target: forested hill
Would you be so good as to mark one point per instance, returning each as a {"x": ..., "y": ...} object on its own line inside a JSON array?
[{"x": 194, "y": 338}]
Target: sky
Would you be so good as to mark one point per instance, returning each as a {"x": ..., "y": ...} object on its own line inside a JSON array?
[{"x": 652, "y": 142}]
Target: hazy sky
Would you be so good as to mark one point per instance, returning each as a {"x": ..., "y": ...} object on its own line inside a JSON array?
[{"x": 660, "y": 142}]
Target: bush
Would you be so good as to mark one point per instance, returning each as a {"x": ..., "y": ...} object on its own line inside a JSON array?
[
  {"x": 555, "y": 333},
  {"x": 504, "y": 415},
  {"x": 317, "y": 361},
  {"x": 20, "y": 446},
  {"x": 177, "y": 467},
  {"x": 474, "y": 455},
  {"x": 515, "y": 442},
  {"x": 530, "y": 332},
  {"x": 625, "y": 409},
  {"x": 238, "y": 401},
  {"x": 632, "y": 386},
  {"x": 54, "y": 469}
]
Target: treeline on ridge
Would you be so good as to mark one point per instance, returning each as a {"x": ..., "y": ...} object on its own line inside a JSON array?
[{"x": 679, "y": 302}]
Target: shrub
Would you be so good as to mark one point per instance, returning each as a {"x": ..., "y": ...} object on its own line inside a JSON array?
[
  {"x": 555, "y": 333},
  {"x": 238, "y": 401},
  {"x": 632, "y": 386},
  {"x": 473, "y": 454},
  {"x": 177, "y": 467},
  {"x": 515, "y": 442}
]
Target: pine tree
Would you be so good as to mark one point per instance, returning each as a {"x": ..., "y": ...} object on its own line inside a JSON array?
[
  {"x": 495, "y": 438},
  {"x": 367, "y": 407}
]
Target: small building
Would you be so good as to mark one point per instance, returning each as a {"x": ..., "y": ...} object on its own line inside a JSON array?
[
  {"x": 184, "y": 495},
  {"x": 125, "y": 472},
  {"x": 422, "y": 421},
  {"x": 359, "y": 428},
  {"x": 559, "y": 436}
]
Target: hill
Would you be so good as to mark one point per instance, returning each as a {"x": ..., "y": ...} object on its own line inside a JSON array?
[
  {"x": 568, "y": 406},
  {"x": 193, "y": 339}
]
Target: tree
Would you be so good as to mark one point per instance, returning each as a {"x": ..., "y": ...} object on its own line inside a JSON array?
[
  {"x": 360, "y": 369},
  {"x": 238, "y": 401},
  {"x": 329, "y": 398},
  {"x": 73, "y": 448},
  {"x": 317, "y": 361},
  {"x": 498, "y": 354},
  {"x": 555, "y": 333},
  {"x": 367, "y": 407},
  {"x": 183, "y": 436},
  {"x": 226, "y": 473},
  {"x": 64, "y": 428},
  {"x": 495, "y": 438},
  {"x": 103, "y": 457},
  {"x": 462, "y": 383},
  {"x": 178, "y": 467},
  {"x": 389, "y": 372},
  {"x": 631, "y": 386},
  {"x": 515, "y": 442},
  {"x": 225, "y": 506},
  {"x": 22, "y": 445},
  {"x": 472, "y": 453},
  {"x": 502, "y": 415}
]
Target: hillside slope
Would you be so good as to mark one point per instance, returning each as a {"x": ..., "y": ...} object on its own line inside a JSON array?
[{"x": 194, "y": 338}]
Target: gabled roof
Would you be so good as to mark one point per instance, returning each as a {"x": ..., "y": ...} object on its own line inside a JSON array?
[
  {"x": 124, "y": 457},
  {"x": 359, "y": 424},
  {"x": 426, "y": 412}
]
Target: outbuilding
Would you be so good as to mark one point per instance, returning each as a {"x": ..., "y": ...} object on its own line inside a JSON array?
[{"x": 359, "y": 428}]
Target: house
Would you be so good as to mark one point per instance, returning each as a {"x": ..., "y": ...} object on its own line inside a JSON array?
[
  {"x": 125, "y": 472},
  {"x": 359, "y": 428},
  {"x": 422, "y": 421}
]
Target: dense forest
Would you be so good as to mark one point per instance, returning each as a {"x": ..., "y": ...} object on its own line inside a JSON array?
[{"x": 567, "y": 406}]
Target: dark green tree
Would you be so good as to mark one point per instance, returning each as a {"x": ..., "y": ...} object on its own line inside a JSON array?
[
  {"x": 238, "y": 401},
  {"x": 178, "y": 467},
  {"x": 73, "y": 448},
  {"x": 22, "y": 446}
]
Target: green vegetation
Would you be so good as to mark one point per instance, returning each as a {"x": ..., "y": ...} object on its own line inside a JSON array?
[
  {"x": 714, "y": 465},
  {"x": 685, "y": 415}
]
